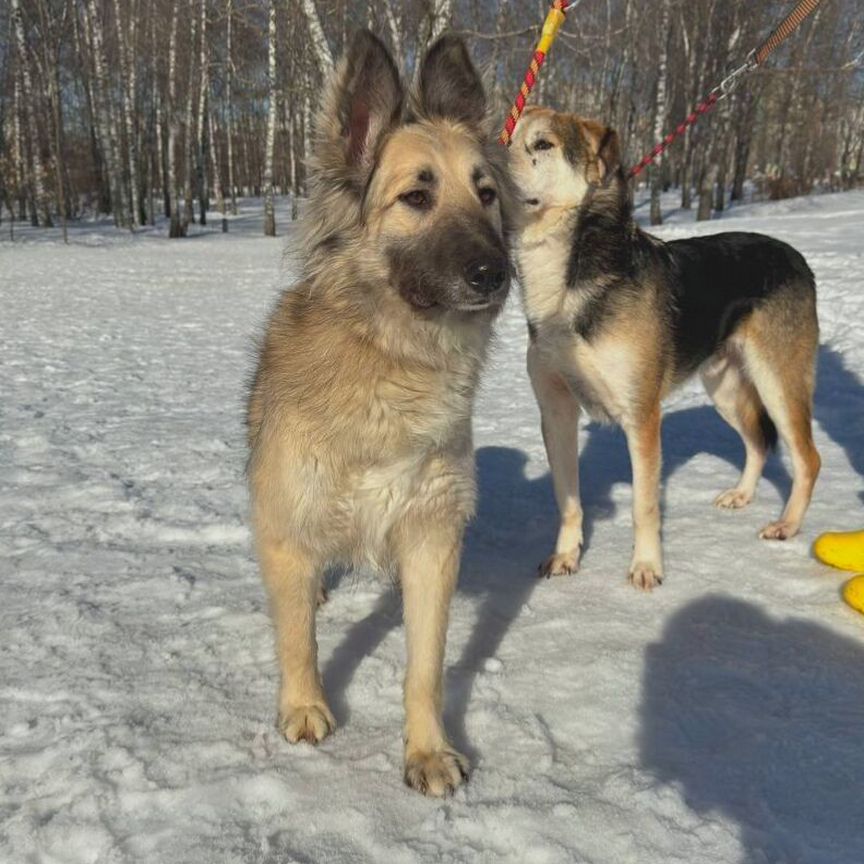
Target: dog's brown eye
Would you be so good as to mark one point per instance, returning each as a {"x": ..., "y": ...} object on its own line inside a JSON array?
[
  {"x": 416, "y": 198},
  {"x": 487, "y": 196},
  {"x": 542, "y": 144}
]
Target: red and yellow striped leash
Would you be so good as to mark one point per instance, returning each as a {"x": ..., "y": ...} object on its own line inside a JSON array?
[{"x": 551, "y": 26}]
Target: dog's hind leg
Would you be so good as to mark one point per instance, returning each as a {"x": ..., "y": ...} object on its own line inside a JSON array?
[
  {"x": 428, "y": 558},
  {"x": 737, "y": 401},
  {"x": 784, "y": 373},
  {"x": 559, "y": 412},
  {"x": 643, "y": 442},
  {"x": 293, "y": 584}
]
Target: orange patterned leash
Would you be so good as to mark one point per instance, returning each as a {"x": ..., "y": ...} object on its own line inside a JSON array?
[{"x": 783, "y": 31}]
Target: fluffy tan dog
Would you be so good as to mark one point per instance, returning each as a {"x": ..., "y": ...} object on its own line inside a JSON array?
[{"x": 360, "y": 411}]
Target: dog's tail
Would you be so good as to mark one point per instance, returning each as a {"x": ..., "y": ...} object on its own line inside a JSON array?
[{"x": 769, "y": 431}]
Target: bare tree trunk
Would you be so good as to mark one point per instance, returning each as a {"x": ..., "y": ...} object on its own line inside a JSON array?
[
  {"x": 177, "y": 228},
  {"x": 269, "y": 213},
  {"x": 103, "y": 191},
  {"x": 107, "y": 122},
  {"x": 128, "y": 75},
  {"x": 188, "y": 192},
  {"x": 295, "y": 170},
  {"x": 203, "y": 126},
  {"x": 660, "y": 117},
  {"x": 216, "y": 171},
  {"x": 441, "y": 11},
  {"x": 41, "y": 199},
  {"x": 318, "y": 41},
  {"x": 16, "y": 193},
  {"x": 229, "y": 98},
  {"x": 395, "y": 29},
  {"x": 52, "y": 73}
]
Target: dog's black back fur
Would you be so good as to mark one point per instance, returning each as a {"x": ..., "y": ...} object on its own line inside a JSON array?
[
  {"x": 719, "y": 279},
  {"x": 707, "y": 285}
]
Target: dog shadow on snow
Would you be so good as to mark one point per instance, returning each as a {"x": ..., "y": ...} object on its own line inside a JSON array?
[
  {"x": 839, "y": 408},
  {"x": 514, "y": 531},
  {"x": 760, "y": 720}
]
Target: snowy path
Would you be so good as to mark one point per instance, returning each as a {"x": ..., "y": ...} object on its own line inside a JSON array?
[{"x": 718, "y": 720}]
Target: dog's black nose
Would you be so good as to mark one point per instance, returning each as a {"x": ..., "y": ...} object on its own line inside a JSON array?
[{"x": 486, "y": 276}]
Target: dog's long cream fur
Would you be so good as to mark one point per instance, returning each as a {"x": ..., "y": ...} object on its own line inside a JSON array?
[{"x": 360, "y": 411}]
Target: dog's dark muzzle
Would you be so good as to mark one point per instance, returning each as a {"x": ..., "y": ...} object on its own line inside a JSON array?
[{"x": 462, "y": 264}]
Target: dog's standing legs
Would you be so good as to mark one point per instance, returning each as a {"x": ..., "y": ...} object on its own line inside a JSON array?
[
  {"x": 428, "y": 558},
  {"x": 738, "y": 403},
  {"x": 643, "y": 442},
  {"x": 559, "y": 412},
  {"x": 293, "y": 584},
  {"x": 788, "y": 397}
]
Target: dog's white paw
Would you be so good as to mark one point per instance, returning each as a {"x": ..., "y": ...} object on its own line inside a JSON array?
[
  {"x": 733, "y": 499},
  {"x": 438, "y": 773},
  {"x": 560, "y": 564},
  {"x": 310, "y": 723},
  {"x": 645, "y": 576},
  {"x": 781, "y": 530}
]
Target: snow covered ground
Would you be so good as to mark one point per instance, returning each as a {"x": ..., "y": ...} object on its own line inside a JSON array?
[{"x": 717, "y": 720}]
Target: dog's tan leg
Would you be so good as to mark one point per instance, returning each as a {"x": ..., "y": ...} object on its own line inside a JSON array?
[
  {"x": 293, "y": 585},
  {"x": 787, "y": 392},
  {"x": 559, "y": 412},
  {"x": 643, "y": 442},
  {"x": 738, "y": 403},
  {"x": 429, "y": 564}
]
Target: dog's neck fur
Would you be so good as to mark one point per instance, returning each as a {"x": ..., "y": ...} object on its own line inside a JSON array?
[
  {"x": 568, "y": 255},
  {"x": 602, "y": 241}
]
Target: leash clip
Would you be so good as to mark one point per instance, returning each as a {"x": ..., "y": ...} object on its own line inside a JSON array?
[{"x": 728, "y": 85}]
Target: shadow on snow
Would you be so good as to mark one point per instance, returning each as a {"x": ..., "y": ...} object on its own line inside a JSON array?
[
  {"x": 516, "y": 525},
  {"x": 840, "y": 407},
  {"x": 760, "y": 720}
]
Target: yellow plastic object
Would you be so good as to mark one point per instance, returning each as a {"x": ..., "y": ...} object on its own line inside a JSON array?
[
  {"x": 843, "y": 550},
  {"x": 853, "y": 593}
]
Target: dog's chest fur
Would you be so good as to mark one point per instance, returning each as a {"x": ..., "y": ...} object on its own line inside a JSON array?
[
  {"x": 376, "y": 436},
  {"x": 600, "y": 369}
]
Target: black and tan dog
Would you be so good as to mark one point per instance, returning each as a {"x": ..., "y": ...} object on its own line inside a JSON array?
[
  {"x": 618, "y": 318},
  {"x": 360, "y": 411}
]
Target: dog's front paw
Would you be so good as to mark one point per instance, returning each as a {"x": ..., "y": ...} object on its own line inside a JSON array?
[
  {"x": 645, "y": 576},
  {"x": 560, "y": 564},
  {"x": 310, "y": 723},
  {"x": 781, "y": 530},
  {"x": 733, "y": 499},
  {"x": 437, "y": 773}
]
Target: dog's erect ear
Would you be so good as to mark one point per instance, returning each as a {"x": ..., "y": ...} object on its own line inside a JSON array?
[
  {"x": 364, "y": 100},
  {"x": 450, "y": 86},
  {"x": 603, "y": 143}
]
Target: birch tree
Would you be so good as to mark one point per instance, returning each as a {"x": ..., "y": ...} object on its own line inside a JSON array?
[
  {"x": 106, "y": 116},
  {"x": 128, "y": 76},
  {"x": 38, "y": 169},
  {"x": 177, "y": 227},
  {"x": 660, "y": 111},
  {"x": 51, "y": 74},
  {"x": 229, "y": 98},
  {"x": 106, "y": 105},
  {"x": 202, "y": 129},
  {"x": 320, "y": 47},
  {"x": 272, "y": 95}
]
